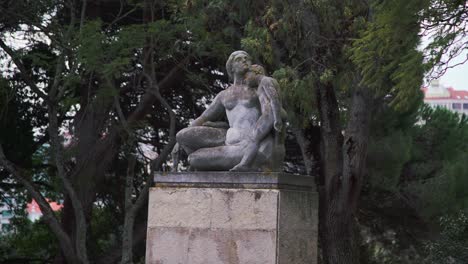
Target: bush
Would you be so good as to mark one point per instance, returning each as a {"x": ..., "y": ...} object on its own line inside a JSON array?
[{"x": 452, "y": 246}]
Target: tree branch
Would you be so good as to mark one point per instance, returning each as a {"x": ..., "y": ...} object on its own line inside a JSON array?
[
  {"x": 23, "y": 71},
  {"x": 149, "y": 98},
  {"x": 48, "y": 215},
  {"x": 76, "y": 203},
  {"x": 156, "y": 164}
]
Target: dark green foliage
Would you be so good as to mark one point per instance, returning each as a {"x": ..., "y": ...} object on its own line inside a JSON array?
[
  {"x": 28, "y": 243},
  {"x": 17, "y": 12},
  {"x": 442, "y": 135},
  {"x": 104, "y": 234},
  {"x": 437, "y": 170},
  {"x": 388, "y": 59},
  {"x": 387, "y": 156},
  {"x": 16, "y": 120},
  {"x": 452, "y": 246},
  {"x": 418, "y": 176},
  {"x": 390, "y": 144}
]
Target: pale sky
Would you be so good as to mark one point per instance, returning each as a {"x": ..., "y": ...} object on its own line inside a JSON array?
[{"x": 457, "y": 77}]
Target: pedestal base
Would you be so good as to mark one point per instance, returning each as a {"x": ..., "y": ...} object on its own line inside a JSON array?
[{"x": 232, "y": 218}]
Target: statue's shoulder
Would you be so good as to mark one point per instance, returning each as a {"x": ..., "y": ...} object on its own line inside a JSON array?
[
  {"x": 268, "y": 85},
  {"x": 269, "y": 81},
  {"x": 221, "y": 94}
]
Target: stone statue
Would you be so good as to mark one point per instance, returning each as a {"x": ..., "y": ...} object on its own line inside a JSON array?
[{"x": 254, "y": 138}]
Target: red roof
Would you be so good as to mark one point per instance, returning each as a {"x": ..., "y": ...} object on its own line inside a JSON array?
[
  {"x": 454, "y": 94},
  {"x": 33, "y": 207}
]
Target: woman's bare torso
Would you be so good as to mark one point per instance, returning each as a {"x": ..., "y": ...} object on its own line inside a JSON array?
[{"x": 243, "y": 110}]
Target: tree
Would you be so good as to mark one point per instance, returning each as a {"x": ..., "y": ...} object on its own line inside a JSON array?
[
  {"x": 34, "y": 243},
  {"x": 121, "y": 74},
  {"x": 445, "y": 23},
  {"x": 108, "y": 80},
  {"x": 452, "y": 246},
  {"x": 436, "y": 171},
  {"x": 351, "y": 58}
]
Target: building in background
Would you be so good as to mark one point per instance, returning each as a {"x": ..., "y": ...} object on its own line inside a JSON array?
[
  {"x": 6, "y": 213},
  {"x": 32, "y": 209},
  {"x": 436, "y": 95}
]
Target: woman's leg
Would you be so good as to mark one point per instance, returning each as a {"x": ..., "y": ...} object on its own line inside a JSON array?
[
  {"x": 220, "y": 158},
  {"x": 197, "y": 137}
]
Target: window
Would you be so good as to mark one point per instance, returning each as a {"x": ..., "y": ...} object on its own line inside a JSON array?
[
  {"x": 456, "y": 106},
  {"x": 465, "y": 106},
  {"x": 6, "y": 213}
]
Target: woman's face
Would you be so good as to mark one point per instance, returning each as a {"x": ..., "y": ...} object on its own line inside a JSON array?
[{"x": 241, "y": 63}]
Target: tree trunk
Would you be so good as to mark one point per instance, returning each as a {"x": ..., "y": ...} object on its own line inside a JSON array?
[
  {"x": 343, "y": 163},
  {"x": 304, "y": 145},
  {"x": 129, "y": 220}
]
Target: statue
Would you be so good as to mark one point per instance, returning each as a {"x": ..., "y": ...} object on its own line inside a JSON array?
[{"x": 254, "y": 138}]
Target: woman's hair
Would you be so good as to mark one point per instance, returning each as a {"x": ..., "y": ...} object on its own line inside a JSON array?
[{"x": 231, "y": 59}]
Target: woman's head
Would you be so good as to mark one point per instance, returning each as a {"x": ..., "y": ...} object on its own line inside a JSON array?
[{"x": 239, "y": 62}]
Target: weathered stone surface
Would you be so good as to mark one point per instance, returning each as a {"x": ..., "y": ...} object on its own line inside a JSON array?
[
  {"x": 297, "y": 227},
  {"x": 243, "y": 209},
  {"x": 241, "y": 180},
  {"x": 193, "y": 225},
  {"x": 253, "y": 137},
  {"x": 246, "y": 209},
  {"x": 210, "y": 246}
]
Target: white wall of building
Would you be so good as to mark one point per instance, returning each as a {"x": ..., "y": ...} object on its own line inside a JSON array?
[
  {"x": 436, "y": 95},
  {"x": 449, "y": 104}
]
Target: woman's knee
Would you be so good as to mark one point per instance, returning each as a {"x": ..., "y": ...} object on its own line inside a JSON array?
[{"x": 198, "y": 160}]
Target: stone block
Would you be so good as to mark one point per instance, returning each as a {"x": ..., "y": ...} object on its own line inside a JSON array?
[{"x": 218, "y": 218}]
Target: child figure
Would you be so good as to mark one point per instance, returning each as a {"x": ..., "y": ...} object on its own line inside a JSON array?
[{"x": 270, "y": 117}]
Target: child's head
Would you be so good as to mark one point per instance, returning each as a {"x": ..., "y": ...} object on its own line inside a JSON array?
[{"x": 254, "y": 75}]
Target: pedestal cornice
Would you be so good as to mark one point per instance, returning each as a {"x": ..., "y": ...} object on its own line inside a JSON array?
[{"x": 238, "y": 180}]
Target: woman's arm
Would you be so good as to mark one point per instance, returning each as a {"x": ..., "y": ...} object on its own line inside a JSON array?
[{"x": 213, "y": 112}]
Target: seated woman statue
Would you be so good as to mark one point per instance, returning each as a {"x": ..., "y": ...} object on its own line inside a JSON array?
[
  {"x": 254, "y": 140},
  {"x": 272, "y": 114}
]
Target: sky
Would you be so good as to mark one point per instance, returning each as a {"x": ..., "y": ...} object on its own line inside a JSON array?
[{"x": 457, "y": 77}]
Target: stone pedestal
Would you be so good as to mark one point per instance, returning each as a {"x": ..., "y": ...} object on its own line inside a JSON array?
[{"x": 232, "y": 218}]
